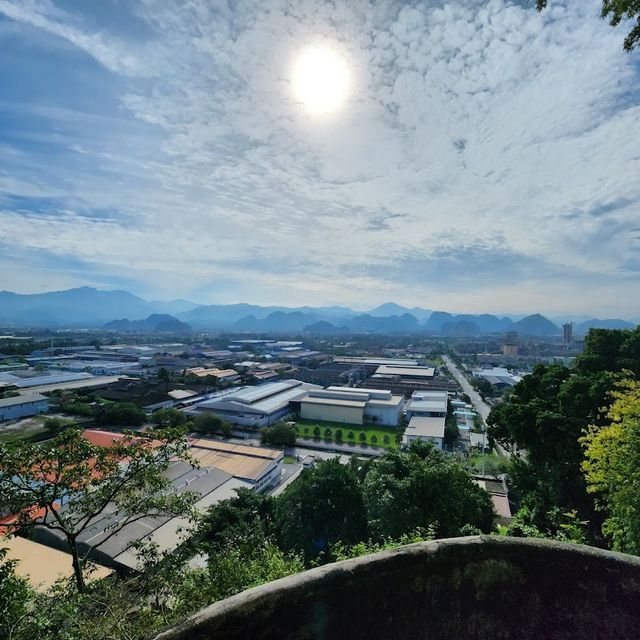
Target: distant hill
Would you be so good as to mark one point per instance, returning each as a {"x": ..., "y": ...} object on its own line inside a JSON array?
[
  {"x": 324, "y": 327},
  {"x": 366, "y": 323},
  {"x": 594, "y": 323},
  {"x": 393, "y": 309},
  {"x": 536, "y": 325},
  {"x": 155, "y": 323}
]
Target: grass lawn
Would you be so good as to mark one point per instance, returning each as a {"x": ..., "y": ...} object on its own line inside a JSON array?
[
  {"x": 373, "y": 434},
  {"x": 290, "y": 460}
]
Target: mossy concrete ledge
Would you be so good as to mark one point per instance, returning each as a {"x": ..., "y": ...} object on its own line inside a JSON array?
[{"x": 481, "y": 587}]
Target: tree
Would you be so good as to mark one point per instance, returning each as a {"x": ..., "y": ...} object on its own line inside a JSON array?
[
  {"x": 207, "y": 422},
  {"x": 280, "y": 433},
  {"x": 165, "y": 377},
  {"x": 56, "y": 425},
  {"x": 363, "y": 436},
  {"x": 245, "y": 520},
  {"x": 121, "y": 414},
  {"x": 328, "y": 433},
  {"x": 316, "y": 432},
  {"x": 172, "y": 418},
  {"x": 451, "y": 432},
  {"x": 322, "y": 507},
  {"x": 15, "y": 594},
  {"x": 483, "y": 386},
  {"x": 410, "y": 491},
  {"x": 541, "y": 425},
  {"x": 34, "y": 479},
  {"x": 338, "y": 435},
  {"x": 617, "y": 11},
  {"x": 612, "y": 468}
]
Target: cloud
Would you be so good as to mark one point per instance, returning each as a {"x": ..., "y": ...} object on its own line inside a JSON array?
[{"x": 476, "y": 132}]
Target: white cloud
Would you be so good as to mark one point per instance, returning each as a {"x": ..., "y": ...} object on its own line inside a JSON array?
[{"x": 468, "y": 122}]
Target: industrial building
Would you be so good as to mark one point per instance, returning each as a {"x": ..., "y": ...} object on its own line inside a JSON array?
[
  {"x": 23, "y": 406},
  {"x": 259, "y": 406},
  {"x": 427, "y": 404},
  {"x": 426, "y": 413},
  {"x": 222, "y": 469},
  {"x": 349, "y": 405}
]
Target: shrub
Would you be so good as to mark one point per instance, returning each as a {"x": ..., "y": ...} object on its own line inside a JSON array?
[
  {"x": 338, "y": 435},
  {"x": 374, "y": 439},
  {"x": 316, "y": 432},
  {"x": 351, "y": 435},
  {"x": 363, "y": 436},
  {"x": 327, "y": 433}
]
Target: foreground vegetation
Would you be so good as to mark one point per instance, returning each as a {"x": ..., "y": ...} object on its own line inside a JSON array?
[{"x": 331, "y": 512}]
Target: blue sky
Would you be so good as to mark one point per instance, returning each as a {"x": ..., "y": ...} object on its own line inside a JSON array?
[{"x": 485, "y": 159}]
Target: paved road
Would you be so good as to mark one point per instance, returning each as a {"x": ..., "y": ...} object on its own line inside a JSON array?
[{"x": 479, "y": 404}]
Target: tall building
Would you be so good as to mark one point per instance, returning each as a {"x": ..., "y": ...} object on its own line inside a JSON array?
[{"x": 567, "y": 332}]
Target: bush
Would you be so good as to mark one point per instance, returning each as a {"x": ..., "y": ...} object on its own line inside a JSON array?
[
  {"x": 374, "y": 439},
  {"x": 328, "y": 433},
  {"x": 386, "y": 440},
  {"x": 338, "y": 435},
  {"x": 56, "y": 425},
  {"x": 316, "y": 432},
  {"x": 351, "y": 435},
  {"x": 363, "y": 436}
]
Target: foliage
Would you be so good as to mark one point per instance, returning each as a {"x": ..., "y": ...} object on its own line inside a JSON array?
[
  {"x": 346, "y": 552},
  {"x": 15, "y": 594},
  {"x": 121, "y": 414},
  {"x": 423, "y": 487},
  {"x": 34, "y": 479},
  {"x": 280, "y": 433},
  {"x": 612, "y": 468},
  {"x": 322, "y": 507},
  {"x": 545, "y": 418},
  {"x": 451, "y": 432},
  {"x": 482, "y": 386},
  {"x": 172, "y": 418},
  {"x": 617, "y": 11},
  {"x": 56, "y": 425},
  {"x": 245, "y": 520},
  {"x": 206, "y": 422},
  {"x": 564, "y": 526}
]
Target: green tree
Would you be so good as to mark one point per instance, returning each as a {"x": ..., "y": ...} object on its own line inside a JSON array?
[
  {"x": 612, "y": 468},
  {"x": 322, "y": 507},
  {"x": 423, "y": 487},
  {"x": 338, "y": 435},
  {"x": 169, "y": 417},
  {"x": 15, "y": 596},
  {"x": 617, "y": 11},
  {"x": 207, "y": 422},
  {"x": 363, "y": 436},
  {"x": 541, "y": 425},
  {"x": 244, "y": 520},
  {"x": 280, "y": 433},
  {"x": 56, "y": 425},
  {"x": 120, "y": 414},
  {"x": 35, "y": 478}
]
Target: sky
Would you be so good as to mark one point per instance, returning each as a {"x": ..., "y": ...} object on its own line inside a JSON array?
[{"x": 482, "y": 157}]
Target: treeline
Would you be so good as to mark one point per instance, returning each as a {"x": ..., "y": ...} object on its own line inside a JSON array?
[{"x": 574, "y": 435}]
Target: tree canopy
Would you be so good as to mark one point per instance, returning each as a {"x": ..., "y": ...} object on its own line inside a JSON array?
[
  {"x": 66, "y": 483},
  {"x": 617, "y": 11},
  {"x": 612, "y": 468}
]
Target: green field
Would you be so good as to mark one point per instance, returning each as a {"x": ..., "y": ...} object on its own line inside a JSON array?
[{"x": 374, "y": 435}]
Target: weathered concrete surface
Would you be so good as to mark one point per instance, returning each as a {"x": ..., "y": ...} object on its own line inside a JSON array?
[{"x": 465, "y": 588}]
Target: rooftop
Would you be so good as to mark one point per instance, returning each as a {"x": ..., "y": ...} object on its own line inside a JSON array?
[
  {"x": 25, "y": 399},
  {"x": 426, "y": 427}
]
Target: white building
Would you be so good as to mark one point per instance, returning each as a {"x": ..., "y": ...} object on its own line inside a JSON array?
[
  {"x": 348, "y": 405},
  {"x": 427, "y": 413},
  {"x": 23, "y": 406}
]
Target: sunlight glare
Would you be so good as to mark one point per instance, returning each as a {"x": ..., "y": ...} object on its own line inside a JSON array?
[{"x": 320, "y": 79}]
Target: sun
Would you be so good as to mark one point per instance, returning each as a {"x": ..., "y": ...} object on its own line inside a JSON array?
[{"x": 320, "y": 79}]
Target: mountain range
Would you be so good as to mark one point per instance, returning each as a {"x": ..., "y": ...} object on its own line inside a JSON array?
[{"x": 90, "y": 307}]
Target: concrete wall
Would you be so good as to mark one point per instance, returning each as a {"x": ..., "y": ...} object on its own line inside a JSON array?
[
  {"x": 331, "y": 413},
  {"x": 477, "y": 588},
  {"x": 389, "y": 416}
]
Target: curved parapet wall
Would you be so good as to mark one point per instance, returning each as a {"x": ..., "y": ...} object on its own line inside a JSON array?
[{"x": 464, "y": 588}]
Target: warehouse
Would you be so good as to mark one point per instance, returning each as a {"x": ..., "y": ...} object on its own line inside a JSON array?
[
  {"x": 425, "y": 429},
  {"x": 348, "y": 405},
  {"x": 427, "y": 404},
  {"x": 259, "y": 406},
  {"x": 23, "y": 406}
]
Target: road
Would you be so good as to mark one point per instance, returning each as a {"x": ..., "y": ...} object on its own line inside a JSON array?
[{"x": 479, "y": 404}]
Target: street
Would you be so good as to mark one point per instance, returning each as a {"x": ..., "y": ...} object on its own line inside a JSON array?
[{"x": 479, "y": 404}]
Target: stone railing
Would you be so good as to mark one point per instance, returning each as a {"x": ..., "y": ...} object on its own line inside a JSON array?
[{"x": 485, "y": 588}]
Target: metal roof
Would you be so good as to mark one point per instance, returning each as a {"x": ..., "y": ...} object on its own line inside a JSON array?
[
  {"x": 430, "y": 427},
  {"x": 17, "y": 400}
]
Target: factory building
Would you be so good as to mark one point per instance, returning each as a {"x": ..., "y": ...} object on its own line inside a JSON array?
[
  {"x": 349, "y": 405},
  {"x": 258, "y": 406},
  {"x": 23, "y": 406}
]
